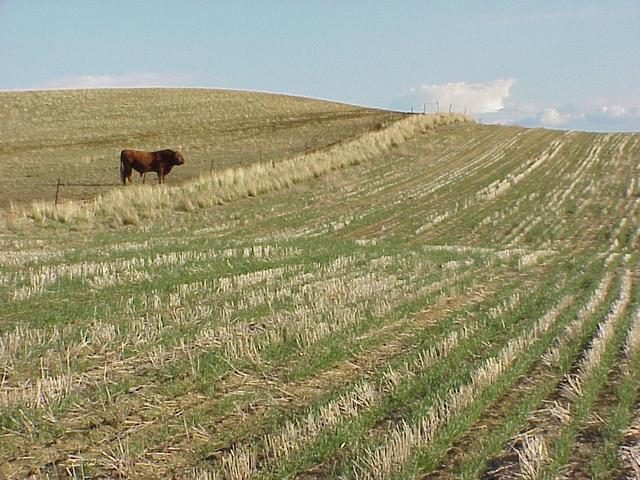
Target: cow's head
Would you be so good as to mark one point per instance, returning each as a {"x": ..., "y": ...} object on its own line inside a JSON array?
[{"x": 178, "y": 159}]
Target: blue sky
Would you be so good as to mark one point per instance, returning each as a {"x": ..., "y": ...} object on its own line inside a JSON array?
[{"x": 560, "y": 64}]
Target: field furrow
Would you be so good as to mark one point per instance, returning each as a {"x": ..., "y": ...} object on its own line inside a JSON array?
[
  {"x": 543, "y": 446},
  {"x": 594, "y": 452},
  {"x": 472, "y": 452}
]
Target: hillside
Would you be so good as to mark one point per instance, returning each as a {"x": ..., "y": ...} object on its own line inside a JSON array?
[
  {"x": 463, "y": 302},
  {"x": 77, "y": 135}
]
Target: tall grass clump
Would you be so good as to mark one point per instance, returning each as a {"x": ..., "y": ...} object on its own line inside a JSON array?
[{"x": 127, "y": 206}]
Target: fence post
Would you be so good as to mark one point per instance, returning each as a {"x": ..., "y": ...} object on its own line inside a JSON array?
[
  {"x": 450, "y": 107},
  {"x": 57, "y": 191}
]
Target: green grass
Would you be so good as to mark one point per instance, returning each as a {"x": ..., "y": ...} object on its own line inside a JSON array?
[
  {"x": 618, "y": 417},
  {"x": 518, "y": 409}
]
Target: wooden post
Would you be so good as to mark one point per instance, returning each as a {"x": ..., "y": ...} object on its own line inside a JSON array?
[
  {"x": 437, "y": 107},
  {"x": 450, "y": 107},
  {"x": 411, "y": 109},
  {"x": 424, "y": 108},
  {"x": 465, "y": 109},
  {"x": 57, "y": 191},
  {"x": 211, "y": 165}
]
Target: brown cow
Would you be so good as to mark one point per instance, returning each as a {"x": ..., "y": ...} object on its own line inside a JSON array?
[{"x": 160, "y": 162}]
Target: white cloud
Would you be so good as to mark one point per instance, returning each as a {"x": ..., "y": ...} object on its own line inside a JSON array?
[
  {"x": 603, "y": 114},
  {"x": 492, "y": 103},
  {"x": 605, "y": 118},
  {"x": 553, "y": 118},
  {"x": 148, "y": 79},
  {"x": 615, "y": 111},
  {"x": 475, "y": 97}
]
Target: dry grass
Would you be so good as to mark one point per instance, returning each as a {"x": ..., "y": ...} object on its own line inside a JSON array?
[
  {"x": 77, "y": 135},
  {"x": 127, "y": 206},
  {"x": 532, "y": 456}
]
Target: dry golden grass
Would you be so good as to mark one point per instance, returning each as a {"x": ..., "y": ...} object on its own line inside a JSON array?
[{"x": 77, "y": 135}]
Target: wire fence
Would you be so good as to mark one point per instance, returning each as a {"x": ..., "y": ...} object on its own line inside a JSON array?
[{"x": 436, "y": 107}]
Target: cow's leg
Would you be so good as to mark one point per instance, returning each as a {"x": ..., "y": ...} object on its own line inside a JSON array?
[
  {"x": 125, "y": 172},
  {"x": 161, "y": 175},
  {"x": 144, "y": 177}
]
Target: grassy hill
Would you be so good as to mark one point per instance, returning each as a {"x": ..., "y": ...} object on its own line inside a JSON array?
[
  {"x": 460, "y": 302},
  {"x": 77, "y": 135}
]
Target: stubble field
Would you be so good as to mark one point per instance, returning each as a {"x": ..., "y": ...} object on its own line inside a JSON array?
[{"x": 459, "y": 302}]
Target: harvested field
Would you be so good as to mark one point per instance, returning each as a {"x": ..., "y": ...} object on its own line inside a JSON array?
[{"x": 432, "y": 298}]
